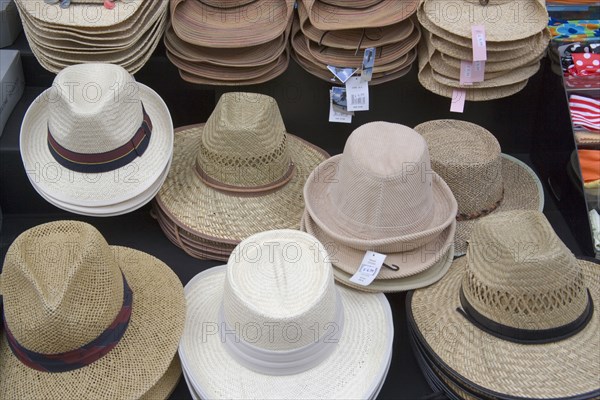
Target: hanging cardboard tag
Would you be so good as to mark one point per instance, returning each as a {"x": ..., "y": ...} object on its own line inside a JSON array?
[
  {"x": 338, "y": 107},
  {"x": 459, "y": 96},
  {"x": 479, "y": 43},
  {"x": 368, "y": 64},
  {"x": 471, "y": 72},
  {"x": 357, "y": 92},
  {"x": 369, "y": 268}
]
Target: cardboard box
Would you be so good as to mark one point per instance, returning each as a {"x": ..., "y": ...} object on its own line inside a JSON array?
[
  {"x": 12, "y": 84},
  {"x": 10, "y": 23}
]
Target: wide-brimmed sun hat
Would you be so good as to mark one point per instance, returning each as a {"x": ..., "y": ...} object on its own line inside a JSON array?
[
  {"x": 240, "y": 173},
  {"x": 483, "y": 180},
  {"x": 98, "y": 138},
  {"x": 517, "y": 317},
  {"x": 86, "y": 320},
  {"x": 272, "y": 324},
  {"x": 381, "y": 195}
]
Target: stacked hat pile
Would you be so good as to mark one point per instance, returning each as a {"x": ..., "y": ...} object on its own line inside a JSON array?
[
  {"x": 516, "y": 318},
  {"x": 82, "y": 31},
  {"x": 381, "y": 196},
  {"x": 97, "y": 142},
  {"x": 239, "y": 174},
  {"x": 229, "y": 42},
  {"x": 336, "y": 33},
  {"x": 515, "y": 36}
]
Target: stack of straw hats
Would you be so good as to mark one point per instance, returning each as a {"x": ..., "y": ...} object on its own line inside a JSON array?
[
  {"x": 516, "y": 39},
  {"x": 336, "y": 33},
  {"x": 229, "y": 42},
  {"x": 86, "y": 320},
  {"x": 87, "y": 31},
  {"x": 239, "y": 174},
  {"x": 275, "y": 326},
  {"x": 516, "y": 318},
  {"x": 97, "y": 142},
  {"x": 483, "y": 180},
  {"x": 381, "y": 195}
]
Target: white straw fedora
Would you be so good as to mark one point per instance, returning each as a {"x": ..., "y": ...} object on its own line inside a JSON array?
[
  {"x": 273, "y": 325},
  {"x": 96, "y": 138},
  {"x": 517, "y": 317},
  {"x": 381, "y": 195},
  {"x": 86, "y": 320},
  {"x": 483, "y": 180}
]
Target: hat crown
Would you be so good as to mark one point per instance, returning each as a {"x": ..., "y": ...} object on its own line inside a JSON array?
[
  {"x": 385, "y": 181},
  {"x": 244, "y": 141},
  {"x": 521, "y": 275},
  {"x": 94, "y": 108},
  {"x": 467, "y": 157},
  {"x": 61, "y": 287},
  {"x": 279, "y": 290}
]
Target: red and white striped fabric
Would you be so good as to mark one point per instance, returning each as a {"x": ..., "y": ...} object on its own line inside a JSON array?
[{"x": 585, "y": 112}]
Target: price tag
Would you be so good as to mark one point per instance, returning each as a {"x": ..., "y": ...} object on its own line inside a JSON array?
[
  {"x": 337, "y": 112},
  {"x": 479, "y": 43},
  {"x": 471, "y": 72},
  {"x": 369, "y": 268},
  {"x": 357, "y": 91},
  {"x": 459, "y": 96},
  {"x": 368, "y": 64}
]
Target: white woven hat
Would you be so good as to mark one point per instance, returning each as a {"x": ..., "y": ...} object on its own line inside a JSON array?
[
  {"x": 86, "y": 142},
  {"x": 272, "y": 324}
]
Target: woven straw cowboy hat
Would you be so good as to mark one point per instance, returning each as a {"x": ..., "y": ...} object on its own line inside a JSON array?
[
  {"x": 483, "y": 180},
  {"x": 248, "y": 348},
  {"x": 81, "y": 317},
  {"x": 261, "y": 21},
  {"x": 513, "y": 319},
  {"x": 381, "y": 195},
  {"x": 504, "y": 20},
  {"x": 97, "y": 141},
  {"x": 328, "y": 17},
  {"x": 238, "y": 174}
]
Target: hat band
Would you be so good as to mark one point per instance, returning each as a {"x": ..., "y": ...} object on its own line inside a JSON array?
[
  {"x": 287, "y": 362},
  {"x": 246, "y": 190},
  {"x": 525, "y": 336},
  {"x": 83, "y": 356},
  {"x": 107, "y": 161},
  {"x": 482, "y": 213}
]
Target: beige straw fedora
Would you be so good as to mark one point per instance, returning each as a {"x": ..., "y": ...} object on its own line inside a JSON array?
[
  {"x": 517, "y": 317},
  {"x": 483, "y": 180},
  {"x": 504, "y": 20},
  {"x": 256, "y": 23},
  {"x": 97, "y": 137},
  {"x": 352, "y": 39},
  {"x": 86, "y": 320},
  {"x": 240, "y": 173},
  {"x": 275, "y": 326},
  {"x": 381, "y": 195},
  {"x": 328, "y": 17}
]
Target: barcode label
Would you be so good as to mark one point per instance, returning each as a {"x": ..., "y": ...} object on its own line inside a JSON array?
[
  {"x": 358, "y": 94},
  {"x": 358, "y": 100}
]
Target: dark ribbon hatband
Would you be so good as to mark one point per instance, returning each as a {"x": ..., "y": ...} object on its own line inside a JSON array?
[
  {"x": 86, "y": 354},
  {"x": 107, "y": 161},
  {"x": 525, "y": 336}
]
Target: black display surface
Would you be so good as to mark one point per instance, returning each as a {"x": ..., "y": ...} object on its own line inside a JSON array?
[{"x": 529, "y": 125}]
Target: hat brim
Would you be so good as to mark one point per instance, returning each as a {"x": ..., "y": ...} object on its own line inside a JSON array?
[
  {"x": 354, "y": 370},
  {"x": 502, "y": 22},
  {"x": 225, "y": 218},
  {"x": 136, "y": 364},
  {"x": 102, "y": 189},
  {"x": 167, "y": 383},
  {"x": 565, "y": 369},
  {"x": 522, "y": 191},
  {"x": 411, "y": 263}
]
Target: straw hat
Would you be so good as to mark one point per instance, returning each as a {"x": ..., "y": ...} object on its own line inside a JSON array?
[
  {"x": 240, "y": 173},
  {"x": 199, "y": 23},
  {"x": 514, "y": 317},
  {"x": 274, "y": 325},
  {"x": 69, "y": 130},
  {"x": 330, "y": 17},
  {"x": 81, "y": 317},
  {"x": 382, "y": 195},
  {"x": 504, "y": 20},
  {"x": 483, "y": 180}
]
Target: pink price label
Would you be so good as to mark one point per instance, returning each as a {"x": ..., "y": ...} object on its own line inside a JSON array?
[
  {"x": 479, "y": 43},
  {"x": 459, "y": 96}
]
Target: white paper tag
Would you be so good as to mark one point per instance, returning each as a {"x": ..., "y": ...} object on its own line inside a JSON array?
[
  {"x": 357, "y": 91},
  {"x": 369, "y": 268}
]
